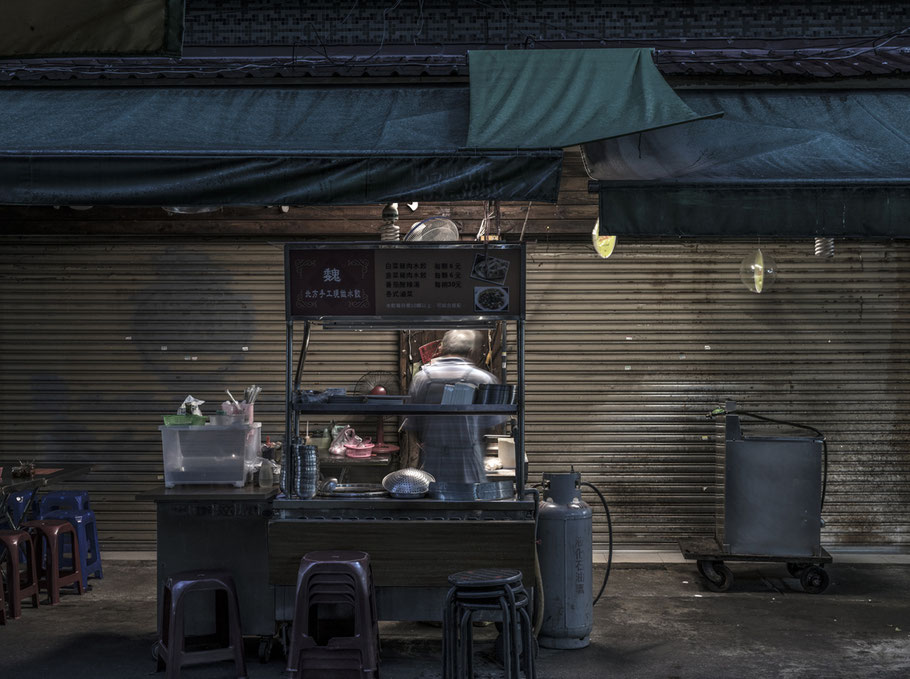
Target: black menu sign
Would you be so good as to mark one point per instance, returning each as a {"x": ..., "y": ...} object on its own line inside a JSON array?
[{"x": 387, "y": 280}]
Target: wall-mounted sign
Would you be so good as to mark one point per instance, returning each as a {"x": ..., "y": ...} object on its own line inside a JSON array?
[{"x": 387, "y": 280}]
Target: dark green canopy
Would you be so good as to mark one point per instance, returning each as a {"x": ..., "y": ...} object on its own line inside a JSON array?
[
  {"x": 529, "y": 99},
  {"x": 254, "y": 146}
]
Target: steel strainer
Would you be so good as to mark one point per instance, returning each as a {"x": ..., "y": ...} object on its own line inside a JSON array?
[{"x": 408, "y": 483}]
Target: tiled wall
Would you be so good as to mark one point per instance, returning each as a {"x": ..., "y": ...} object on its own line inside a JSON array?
[{"x": 513, "y": 22}]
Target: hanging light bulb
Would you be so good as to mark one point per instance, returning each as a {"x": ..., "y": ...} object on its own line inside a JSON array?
[
  {"x": 758, "y": 271},
  {"x": 603, "y": 245},
  {"x": 389, "y": 229},
  {"x": 824, "y": 247}
]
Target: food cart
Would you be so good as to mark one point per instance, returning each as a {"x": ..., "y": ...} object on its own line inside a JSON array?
[{"x": 414, "y": 544}]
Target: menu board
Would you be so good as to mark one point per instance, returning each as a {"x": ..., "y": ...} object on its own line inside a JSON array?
[{"x": 387, "y": 280}]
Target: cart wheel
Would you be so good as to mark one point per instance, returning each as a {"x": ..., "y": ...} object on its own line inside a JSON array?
[
  {"x": 718, "y": 577},
  {"x": 701, "y": 565},
  {"x": 265, "y": 649},
  {"x": 814, "y": 579},
  {"x": 796, "y": 569}
]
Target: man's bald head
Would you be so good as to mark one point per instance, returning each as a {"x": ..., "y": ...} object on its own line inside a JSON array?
[{"x": 462, "y": 343}]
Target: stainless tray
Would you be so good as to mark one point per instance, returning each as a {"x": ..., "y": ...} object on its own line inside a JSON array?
[
  {"x": 407, "y": 496},
  {"x": 355, "y": 490},
  {"x": 463, "y": 492}
]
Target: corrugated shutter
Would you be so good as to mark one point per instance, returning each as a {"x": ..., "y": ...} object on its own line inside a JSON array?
[
  {"x": 100, "y": 337},
  {"x": 625, "y": 357}
]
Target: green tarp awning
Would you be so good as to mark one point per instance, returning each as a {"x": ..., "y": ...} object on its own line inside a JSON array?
[
  {"x": 254, "y": 146},
  {"x": 79, "y": 28},
  {"x": 558, "y": 98},
  {"x": 782, "y": 163}
]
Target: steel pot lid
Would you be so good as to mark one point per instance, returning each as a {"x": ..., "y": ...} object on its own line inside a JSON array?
[{"x": 408, "y": 483}]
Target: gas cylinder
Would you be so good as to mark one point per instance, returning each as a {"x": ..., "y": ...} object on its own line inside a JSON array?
[{"x": 564, "y": 549}]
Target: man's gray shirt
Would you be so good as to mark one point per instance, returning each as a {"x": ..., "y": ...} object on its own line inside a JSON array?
[{"x": 453, "y": 445}]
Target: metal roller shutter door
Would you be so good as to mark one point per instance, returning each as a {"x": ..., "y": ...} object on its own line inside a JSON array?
[
  {"x": 625, "y": 357},
  {"x": 100, "y": 337}
]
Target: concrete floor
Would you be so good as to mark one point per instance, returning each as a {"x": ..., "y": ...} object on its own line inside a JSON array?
[{"x": 656, "y": 620}]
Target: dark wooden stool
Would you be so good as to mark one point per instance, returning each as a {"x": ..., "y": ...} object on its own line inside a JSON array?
[
  {"x": 16, "y": 542},
  {"x": 170, "y": 650},
  {"x": 342, "y": 580},
  {"x": 496, "y": 590},
  {"x": 47, "y": 534}
]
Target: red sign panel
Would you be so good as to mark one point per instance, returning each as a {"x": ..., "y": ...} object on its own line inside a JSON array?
[{"x": 327, "y": 282}]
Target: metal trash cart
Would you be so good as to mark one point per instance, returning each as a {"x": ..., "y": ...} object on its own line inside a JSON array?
[
  {"x": 709, "y": 558},
  {"x": 769, "y": 506}
]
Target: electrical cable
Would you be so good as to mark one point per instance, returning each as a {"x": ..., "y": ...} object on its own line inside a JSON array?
[
  {"x": 795, "y": 425},
  {"x": 538, "y": 577},
  {"x": 603, "y": 501}
]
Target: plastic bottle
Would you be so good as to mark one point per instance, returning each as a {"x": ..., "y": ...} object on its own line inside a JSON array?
[{"x": 266, "y": 477}]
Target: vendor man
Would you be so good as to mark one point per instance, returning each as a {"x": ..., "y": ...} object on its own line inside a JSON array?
[{"x": 452, "y": 446}]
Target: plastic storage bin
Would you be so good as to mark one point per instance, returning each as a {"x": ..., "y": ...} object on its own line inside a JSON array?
[{"x": 209, "y": 453}]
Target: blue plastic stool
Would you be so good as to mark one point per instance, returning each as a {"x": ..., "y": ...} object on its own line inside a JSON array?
[
  {"x": 87, "y": 536},
  {"x": 17, "y": 504},
  {"x": 75, "y": 500}
]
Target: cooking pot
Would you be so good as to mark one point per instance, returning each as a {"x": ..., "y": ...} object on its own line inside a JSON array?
[{"x": 500, "y": 394}]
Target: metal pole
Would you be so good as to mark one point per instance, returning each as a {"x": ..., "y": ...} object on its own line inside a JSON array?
[
  {"x": 303, "y": 350},
  {"x": 504, "y": 368},
  {"x": 288, "y": 400},
  {"x": 289, "y": 412},
  {"x": 520, "y": 433}
]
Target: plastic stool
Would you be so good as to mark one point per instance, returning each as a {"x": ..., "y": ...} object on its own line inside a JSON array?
[
  {"x": 2, "y": 607},
  {"x": 48, "y": 533},
  {"x": 87, "y": 533},
  {"x": 170, "y": 650},
  {"x": 18, "y": 505},
  {"x": 15, "y": 541},
  {"x": 334, "y": 578},
  {"x": 74, "y": 500},
  {"x": 494, "y": 590}
]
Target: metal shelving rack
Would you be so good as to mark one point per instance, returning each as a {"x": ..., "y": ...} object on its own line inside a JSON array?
[{"x": 295, "y": 409}]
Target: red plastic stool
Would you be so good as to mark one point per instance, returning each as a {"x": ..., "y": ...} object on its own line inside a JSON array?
[
  {"x": 339, "y": 579},
  {"x": 2, "y": 607},
  {"x": 171, "y": 649},
  {"x": 47, "y": 533},
  {"x": 14, "y": 541}
]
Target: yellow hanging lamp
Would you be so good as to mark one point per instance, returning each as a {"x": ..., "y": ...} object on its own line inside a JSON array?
[{"x": 603, "y": 245}]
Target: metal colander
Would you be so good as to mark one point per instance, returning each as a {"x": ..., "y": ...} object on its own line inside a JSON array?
[{"x": 408, "y": 483}]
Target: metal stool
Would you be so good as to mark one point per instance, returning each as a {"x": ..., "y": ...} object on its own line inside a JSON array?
[
  {"x": 47, "y": 534},
  {"x": 16, "y": 542},
  {"x": 493, "y": 590},
  {"x": 334, "y": 579},
  {"x": 170, "y": 651}
]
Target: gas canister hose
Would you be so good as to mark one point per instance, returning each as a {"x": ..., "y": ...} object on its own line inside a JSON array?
[{"x": 610, "y": 533}]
